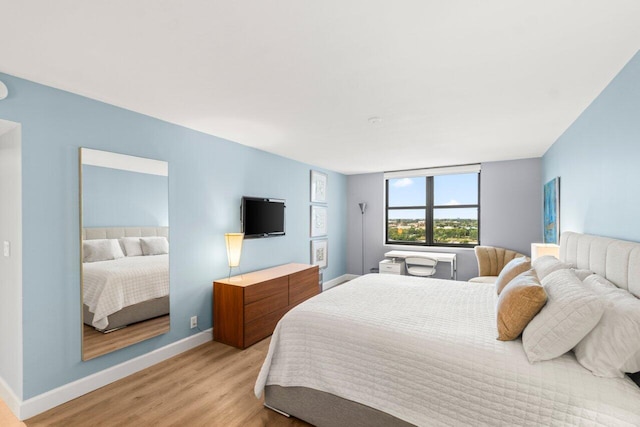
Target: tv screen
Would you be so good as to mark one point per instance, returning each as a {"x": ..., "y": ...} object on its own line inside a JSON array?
[{"x": 262, "y": 217}]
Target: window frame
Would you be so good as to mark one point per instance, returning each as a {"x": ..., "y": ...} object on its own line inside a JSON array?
[{"x": 429, "y": 209}]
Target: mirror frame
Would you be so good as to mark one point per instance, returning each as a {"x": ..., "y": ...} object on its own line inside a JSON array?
[{"x": 106, "y": 159}]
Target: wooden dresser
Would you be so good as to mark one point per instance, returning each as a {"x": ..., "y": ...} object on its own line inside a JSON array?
[{"x": 246, "y": 308}]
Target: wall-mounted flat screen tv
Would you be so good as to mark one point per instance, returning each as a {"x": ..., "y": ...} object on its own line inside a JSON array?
[{"x": 262, "y": 217}]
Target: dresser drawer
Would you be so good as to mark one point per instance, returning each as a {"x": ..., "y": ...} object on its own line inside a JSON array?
[
  {"x": 388, "y": 267},
  {"x": 266, "y": 305},
  {"x": 262, "y": 290},
  {"x": 262, "y": 327},
  {"x": 303, "y": 285}
]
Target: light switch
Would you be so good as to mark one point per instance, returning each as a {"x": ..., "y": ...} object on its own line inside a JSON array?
[{"x": 6, "y": 248}]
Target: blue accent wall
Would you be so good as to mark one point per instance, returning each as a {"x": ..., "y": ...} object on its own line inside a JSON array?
[
  {"x": 119, "y": 198},
  {"x": 207, "y": 178},
  {"x": 597, "y": 159}
]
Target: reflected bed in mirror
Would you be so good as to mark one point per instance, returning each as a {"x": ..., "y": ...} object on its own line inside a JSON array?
[{"x": 124, "y": 250}]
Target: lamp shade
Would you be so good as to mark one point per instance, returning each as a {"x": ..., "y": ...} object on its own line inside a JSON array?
[
  {"x": 234, "y": 247},
  {"x": 542, "y": 249}
]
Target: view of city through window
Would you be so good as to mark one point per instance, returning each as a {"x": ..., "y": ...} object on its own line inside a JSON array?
[
  {"x": 441, "y": 210},
  {"x": 458, "y": 231}
]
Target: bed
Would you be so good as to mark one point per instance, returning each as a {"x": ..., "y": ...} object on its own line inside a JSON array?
[
  {"x": 394, "y": 350},
  {"x": 127, "y": 290}
]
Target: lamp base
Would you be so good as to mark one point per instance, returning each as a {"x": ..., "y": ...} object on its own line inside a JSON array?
[{"x": 234, "y": 278}]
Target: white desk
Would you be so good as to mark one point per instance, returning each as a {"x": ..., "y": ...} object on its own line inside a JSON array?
[{"x": 440, "y": 256}]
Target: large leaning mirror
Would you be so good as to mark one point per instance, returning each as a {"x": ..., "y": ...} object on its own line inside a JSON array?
[{"x": 124, "y": 252}]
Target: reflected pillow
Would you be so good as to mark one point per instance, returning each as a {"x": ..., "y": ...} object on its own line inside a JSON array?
[
  {"x": 154, "y": 245},
  {"x": 131, "y": 245},
  {"x": 571, "y": 312},
  {"x": 518, "y": 303},
  {"x": 513, "y": 268},
  {"x": 101, "y": 250}
]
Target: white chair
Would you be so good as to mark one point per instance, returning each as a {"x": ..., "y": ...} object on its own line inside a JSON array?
[{"x": 421, "y": 266}]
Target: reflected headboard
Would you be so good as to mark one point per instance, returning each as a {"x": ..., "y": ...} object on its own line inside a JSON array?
[
  {"x": 616, "y": 260},
  {"x": 92, "y": 233}
]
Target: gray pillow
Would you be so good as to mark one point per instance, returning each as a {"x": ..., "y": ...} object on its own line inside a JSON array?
[{"x": 154, "y": 245}]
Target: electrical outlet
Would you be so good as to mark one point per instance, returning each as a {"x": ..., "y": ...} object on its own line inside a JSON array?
[
  {"x": 6, "y": 248},
  {"x": 194, "y": 322}
]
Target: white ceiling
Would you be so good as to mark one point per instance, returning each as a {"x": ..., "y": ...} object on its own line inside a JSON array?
[{"x": 453, "y": 81}]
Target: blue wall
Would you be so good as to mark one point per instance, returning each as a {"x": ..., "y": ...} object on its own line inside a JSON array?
[
  {"x": 119, "y": 198},
  {"x": 207, "y": 178},
  {"x": 597, "y": 160}
]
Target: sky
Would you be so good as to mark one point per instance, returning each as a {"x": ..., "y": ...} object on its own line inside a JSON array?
[{"x": 449, "y": 190}]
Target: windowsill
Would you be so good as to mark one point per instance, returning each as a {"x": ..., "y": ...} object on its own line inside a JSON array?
[{"x": 427, "y": 248}]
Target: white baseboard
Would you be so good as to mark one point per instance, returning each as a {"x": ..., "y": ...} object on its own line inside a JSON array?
[
  {"x": 9, "y": 397},
  {"x": 337, "y": 281},
  {"x": 45, "y": 401}
]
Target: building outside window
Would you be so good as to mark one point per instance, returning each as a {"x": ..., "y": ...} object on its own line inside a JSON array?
[{"x": 433, "y": 207}]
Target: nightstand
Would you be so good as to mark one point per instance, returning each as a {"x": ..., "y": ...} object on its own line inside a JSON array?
[{"x": 389, "y": 266}]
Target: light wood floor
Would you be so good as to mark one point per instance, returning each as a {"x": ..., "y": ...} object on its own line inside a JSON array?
[
  {"x": 210, "y": 385},
  {"x": 7, "y": 419},
  {"x": 96, "y": 343}
]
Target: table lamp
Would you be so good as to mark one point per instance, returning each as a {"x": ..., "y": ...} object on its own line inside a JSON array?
[
  {"x": 234, "y": 249},
  {"x": 542, "y": 249}
]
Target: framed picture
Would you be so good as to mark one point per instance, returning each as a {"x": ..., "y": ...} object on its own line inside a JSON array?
[
  {"x": 318, "y": 221},
  {"x": 319, "y": 182},
  {"x": 320, "y": 253},
  {"x": 552, "y": 211}
]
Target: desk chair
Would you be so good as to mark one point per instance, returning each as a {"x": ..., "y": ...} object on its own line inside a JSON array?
[{"x": 423, "y": 266}]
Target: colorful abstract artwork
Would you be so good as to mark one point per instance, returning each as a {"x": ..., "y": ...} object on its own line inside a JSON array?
[{"x": 552, "y": 211}]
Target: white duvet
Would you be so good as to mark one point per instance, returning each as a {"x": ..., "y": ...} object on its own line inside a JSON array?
[
  {"x": 425, "y": 351},
  {"x": 110, "y": 286}
]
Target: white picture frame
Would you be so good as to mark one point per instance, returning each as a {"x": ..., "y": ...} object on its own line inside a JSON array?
[
  {"x": 320, "y": 253},
  {"x": 318, "y": 221},
  {"x": 319, "y": 183}
]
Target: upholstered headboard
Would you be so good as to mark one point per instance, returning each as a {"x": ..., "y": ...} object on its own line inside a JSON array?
[
  {"x": 616, "y": 260},
  {"x": 118, "y": 232}
]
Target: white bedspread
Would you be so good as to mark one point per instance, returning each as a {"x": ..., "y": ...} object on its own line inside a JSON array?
[
  {"x": 425, "y": 351},
  {"x": 109, "y": 286}
]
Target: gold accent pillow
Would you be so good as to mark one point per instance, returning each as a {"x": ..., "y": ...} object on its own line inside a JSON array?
[
  {"x": 515, "y": 267},
  {"x": 519, "y": 302}
]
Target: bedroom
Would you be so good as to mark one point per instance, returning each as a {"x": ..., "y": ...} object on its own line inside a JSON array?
[{"x": 588, "y": 76}]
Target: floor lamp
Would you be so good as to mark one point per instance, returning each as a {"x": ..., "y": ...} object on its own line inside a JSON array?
[{"x": 363, "y": 208}]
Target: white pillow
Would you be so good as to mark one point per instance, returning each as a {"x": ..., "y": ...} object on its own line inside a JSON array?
[
  {"x": 598, "y": 284},
  {"x": 154, "y": 245},
  {"x": 571, "y": 312},
  {"x": 509, "y": 272},
  {"x": 131, "y": 246},
  {"x": 582, "y": 273},
  {"x": 613, "y": 346},
  {"x": 547, "y": 264},
  {"x": 101, "y": 250}
]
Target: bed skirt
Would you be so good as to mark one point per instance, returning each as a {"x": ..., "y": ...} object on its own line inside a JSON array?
[
  {"x": 132, "y": 314},
  {"x": 311, "y": 406}
]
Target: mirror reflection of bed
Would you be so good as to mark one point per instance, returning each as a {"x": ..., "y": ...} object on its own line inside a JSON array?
[
  {"x": 125, "y": 299},
  {"x": 124, "y": 250}
]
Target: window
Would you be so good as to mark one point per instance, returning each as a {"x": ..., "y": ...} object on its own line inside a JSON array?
[{"x": 433, "y": 207}]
